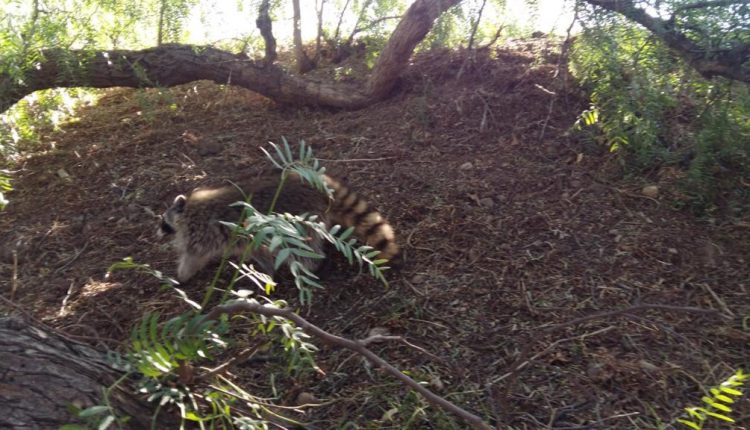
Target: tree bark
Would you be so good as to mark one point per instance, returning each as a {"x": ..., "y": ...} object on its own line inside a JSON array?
[
  {"x": 42, "y": 374},
  {"x": 175, "y": 64},
  {"x": 729, "y": 63}
]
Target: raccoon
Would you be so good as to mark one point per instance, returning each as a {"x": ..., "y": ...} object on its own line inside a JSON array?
[{"x": 199, "y": 237}]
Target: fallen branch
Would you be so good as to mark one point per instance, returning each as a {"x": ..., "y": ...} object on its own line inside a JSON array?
[{"x": 240, "y": 306}]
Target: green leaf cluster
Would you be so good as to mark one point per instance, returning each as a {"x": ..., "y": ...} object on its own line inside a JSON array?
[
  {"x": 717, "y": 404},
  {"x": 653, "y": 110},
  {"x": 160, "y": 349}
]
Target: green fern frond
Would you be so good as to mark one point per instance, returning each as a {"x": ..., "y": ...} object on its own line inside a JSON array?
[{"x": 717, "y": 403}]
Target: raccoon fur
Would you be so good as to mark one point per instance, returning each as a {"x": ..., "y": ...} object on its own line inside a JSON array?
[{"x": 199, "y": 237}]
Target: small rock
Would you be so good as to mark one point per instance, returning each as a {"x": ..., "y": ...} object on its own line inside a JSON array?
[
  {"x": 650, "y": 191},
  {"x": 487, "y": 202},
  {"x": 436, "y": 383},
  {"x": 648, "y": 367},
  {"x": 466, "y": 166},
  {"x": 378, "y": 331},
  {"x": 417, "y": 279},
  {"x": 305, "y": 398},
  {"x": 63, "y": 174},
  {"x": 210, "y": 147}
]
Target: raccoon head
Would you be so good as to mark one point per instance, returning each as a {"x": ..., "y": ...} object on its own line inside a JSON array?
[{"x": 168, "y": 220}]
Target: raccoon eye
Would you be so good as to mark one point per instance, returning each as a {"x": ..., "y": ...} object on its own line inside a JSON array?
[{"x": 166, "y": 228}]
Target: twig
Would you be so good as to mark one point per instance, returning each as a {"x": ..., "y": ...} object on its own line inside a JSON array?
[
  {"x": 67, "y": 297},
  {"x": 563, "y": 55},
  {"x": 351, "y": 160},
  {"x": 331, "y": 339},
  {"x": 14, "y": 277},
  {"x": 718, "y": 299},
  {"x": 381, "y": 338},
  {"x": 523, "y": 361},
  {"x": 373, "y": 23},
  {"x": 630, "y": 310},
  {"x": 493, "y": 40},
  {"x": 241, "y": 356},
  {"x": 72, "y": 259}
]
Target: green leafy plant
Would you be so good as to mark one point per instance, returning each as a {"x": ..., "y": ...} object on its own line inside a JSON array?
[
  {"x": 165, "y": 356},
  {"x": 654, "y": 111},
  {"x": 717, "y": 404},
  {"x": 285, "y": 234},
  {"x": 4, "y": 187}
]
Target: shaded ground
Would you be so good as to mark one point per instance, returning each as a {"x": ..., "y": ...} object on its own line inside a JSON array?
[{"x": 509, "y": 227}]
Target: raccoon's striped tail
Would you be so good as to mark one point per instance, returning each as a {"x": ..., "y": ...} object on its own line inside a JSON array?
[{"x": 370, "y": 226}]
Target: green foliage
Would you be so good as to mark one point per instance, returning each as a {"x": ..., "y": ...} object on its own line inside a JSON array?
[
  {"x": 285, "y": 234},
  {"x": 172, "y": 15},
  {"x": 306, "y": 166},
  {"x": 4, "y": 187},
  {"x": 655, "y": 111},
  {"x": 156, "y": 352},
  {"x": 717, "y": 404},
  {"x": 165, "y": 356},
  {"x": 21, "y": 126}
]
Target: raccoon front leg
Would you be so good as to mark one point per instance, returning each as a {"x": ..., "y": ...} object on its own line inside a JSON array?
[{"x": 190, "y": 264}]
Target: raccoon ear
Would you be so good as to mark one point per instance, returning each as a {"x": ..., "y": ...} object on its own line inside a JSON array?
[{"x": 179, "y": 203}]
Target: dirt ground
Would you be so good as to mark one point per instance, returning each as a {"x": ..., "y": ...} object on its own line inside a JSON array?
[{"x": 548, "y": 290}]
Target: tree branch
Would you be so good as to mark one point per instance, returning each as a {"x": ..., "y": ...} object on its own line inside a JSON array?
[
  {"x": 417, "y": 22},
  {"x": 173, "y": 64},
  {"x": 709, "y": 63},
  {"x": 331, "y": 339}
]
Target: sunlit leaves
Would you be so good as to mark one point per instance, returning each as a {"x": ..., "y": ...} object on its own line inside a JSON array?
[{"x": 717, "y": 404}]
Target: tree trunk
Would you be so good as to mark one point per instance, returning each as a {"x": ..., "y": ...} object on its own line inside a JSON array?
[
  {"x": 319, "y": 36},
  {"x": 43, "y": 374},
  {"x": 304, "y": 64},
  {"x": 412, "y": 28},
  {"x": 173, "y": 64},
  {"x": 265, "y": 25}
]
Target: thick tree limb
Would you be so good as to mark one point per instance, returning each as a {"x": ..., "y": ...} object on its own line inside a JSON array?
[
  {"x": 709, "y": 63},
  {"x": 358, "y": 347},
  {"x": 174, "y": 64},
  {"x": 170, "y": 65}
]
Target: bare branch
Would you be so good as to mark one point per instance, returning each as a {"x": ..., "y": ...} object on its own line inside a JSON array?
[
  {"x": 331, "y": 339},
  {"x": 372, "y": 24},
  {"x": 475, "y": 27},
  {"x": 337, "y": 33}
]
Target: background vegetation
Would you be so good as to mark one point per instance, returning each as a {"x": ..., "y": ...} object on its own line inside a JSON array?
[{"x": 663, "y": 118}]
